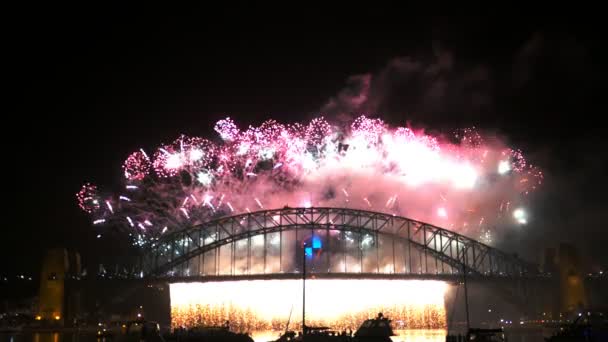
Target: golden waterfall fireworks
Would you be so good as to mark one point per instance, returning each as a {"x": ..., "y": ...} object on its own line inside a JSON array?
[{"x": 260, "y": 305}]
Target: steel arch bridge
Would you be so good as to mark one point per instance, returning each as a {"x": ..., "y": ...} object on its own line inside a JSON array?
[{"x": 339, "y": 242}]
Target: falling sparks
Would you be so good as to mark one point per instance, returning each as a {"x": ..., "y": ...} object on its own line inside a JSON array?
[
  {"x": 266, "y": 304},
  {"x": 185, "y": 212},
  {"x": 110, "y": 208},
  {"x": 207, "y": 200},
  {"x": 391, "y": 201},
  {"x": 144, "y": 153},
  {"x": 486, "y": 237}
]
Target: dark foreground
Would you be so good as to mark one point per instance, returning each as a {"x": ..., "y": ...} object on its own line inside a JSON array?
[{"x": 420, "y": 335}]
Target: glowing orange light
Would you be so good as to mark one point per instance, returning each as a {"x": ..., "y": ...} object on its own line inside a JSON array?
[{"x": 259, "y": 305}]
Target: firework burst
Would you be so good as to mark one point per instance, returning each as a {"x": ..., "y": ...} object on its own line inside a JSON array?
[{"x": 464, "y": 183}]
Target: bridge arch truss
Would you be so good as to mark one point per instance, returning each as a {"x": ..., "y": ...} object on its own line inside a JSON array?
[{"x": 340, "y": 241}]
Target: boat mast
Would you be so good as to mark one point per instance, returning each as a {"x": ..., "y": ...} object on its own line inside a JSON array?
[
  {"x": 289, "y": 319},
  {"x": 304, "y": 290},
  {"x": 466, "y": 292}
]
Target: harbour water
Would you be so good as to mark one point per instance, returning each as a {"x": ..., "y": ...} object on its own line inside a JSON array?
[{"x": 414, "y": 335}]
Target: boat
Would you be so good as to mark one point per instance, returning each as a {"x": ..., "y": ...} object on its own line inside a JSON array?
[
  {"x": 375, "y": 329},
  {"x": 486, "y": 335},
  {"x": 324, "y": 334},
  {"x": 315, "y": 334},
  {"x": 207, "y": 334},
  {"x": 288, "y": 336}
]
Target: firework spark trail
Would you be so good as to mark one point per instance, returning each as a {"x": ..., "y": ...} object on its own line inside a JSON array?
[
  {"x": 110, "y": 208},
  {"x": 368, "y": 165}
]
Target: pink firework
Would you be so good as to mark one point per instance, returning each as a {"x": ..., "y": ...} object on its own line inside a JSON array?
[
  {"x": 451, "y": 182},
  {"x": 88, "y": 199},
  {"x": 137, "y": 166},
  {"x": 369, "y": 130},
  {"x": 318, "y": 132},
  {"x": 227, "y": 129},
  {"x": 184, "y": 153},
  {"x": 167, "y": 161}
]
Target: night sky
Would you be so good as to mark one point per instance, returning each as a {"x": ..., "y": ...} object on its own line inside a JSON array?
[{"x": 90, "y": 85}]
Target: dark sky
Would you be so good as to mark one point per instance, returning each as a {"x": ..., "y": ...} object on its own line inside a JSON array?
[{"x": 91, "y": 84}]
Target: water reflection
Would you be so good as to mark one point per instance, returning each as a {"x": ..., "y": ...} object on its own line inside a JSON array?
[
  {"x": 49, "y": 337},
  {"x": 420, "y": 335},
  {"x": 413, "y": 335}
]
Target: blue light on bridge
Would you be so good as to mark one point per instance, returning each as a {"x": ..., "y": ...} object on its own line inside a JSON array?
[
  {"x": 316, "y": 242},
  {"x": 308, "y": 252},
  {"x": 316, "y": 247}
]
